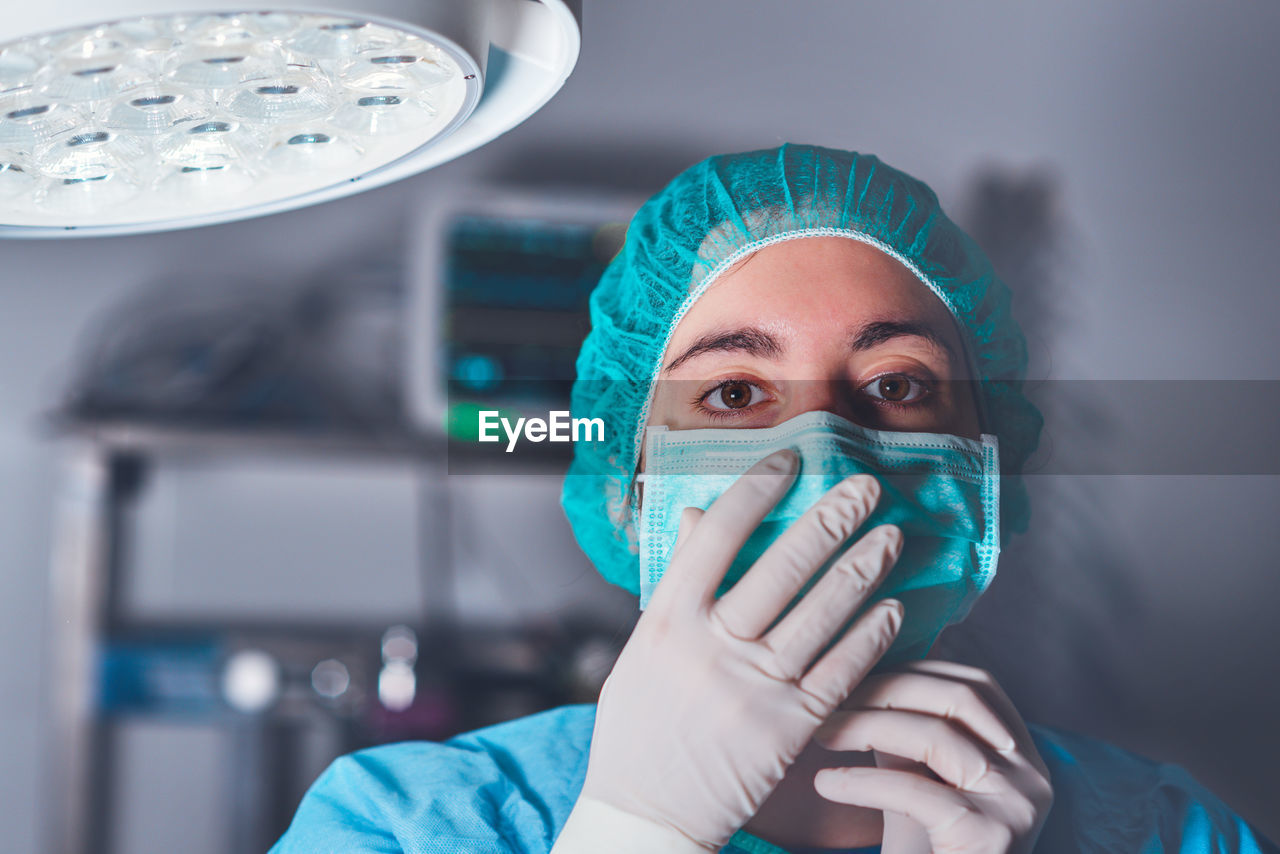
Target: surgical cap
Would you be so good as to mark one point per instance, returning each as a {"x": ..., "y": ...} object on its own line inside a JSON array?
[{"x": 722, "y": 210}]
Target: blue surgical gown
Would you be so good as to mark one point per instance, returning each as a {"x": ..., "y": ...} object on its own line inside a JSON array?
[{"x": 508, "y": 789}]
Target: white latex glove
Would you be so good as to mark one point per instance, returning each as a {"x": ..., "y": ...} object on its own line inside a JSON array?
[
  {"x": 710, "y": 702},
  {"x": 994, "y": 793}
]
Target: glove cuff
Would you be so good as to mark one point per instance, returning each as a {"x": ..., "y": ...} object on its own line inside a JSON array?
[{"x": 595, "y": 826}]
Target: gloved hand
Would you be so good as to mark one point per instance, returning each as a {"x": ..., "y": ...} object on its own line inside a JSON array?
[
  {"x": 710, "y": 701},
  {"x": 954, "y": 720}
]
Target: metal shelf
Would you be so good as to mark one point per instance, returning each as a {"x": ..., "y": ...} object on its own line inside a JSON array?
[
  {"x": 174, "y": 439},
  {"x": 159, "y": 437},
  {"x": 105, "y": 461}
]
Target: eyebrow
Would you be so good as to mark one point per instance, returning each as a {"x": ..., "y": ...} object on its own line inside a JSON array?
[
  {"x": 756, "y": 342},
  {"x": 749, "y": 339},
  {"x": 878, "y": 332}
]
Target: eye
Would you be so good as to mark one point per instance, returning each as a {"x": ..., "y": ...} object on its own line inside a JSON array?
[
  {"x": 896, "y": 388},
  {"x": 733, "y": 394}
]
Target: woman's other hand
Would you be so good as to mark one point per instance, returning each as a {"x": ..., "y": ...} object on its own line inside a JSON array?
[
  {"x": 712, "y": 699},
  {"x": 957, "y": 765}
]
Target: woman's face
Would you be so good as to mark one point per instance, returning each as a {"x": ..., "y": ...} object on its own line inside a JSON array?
[{"x": 817, "y": 323}]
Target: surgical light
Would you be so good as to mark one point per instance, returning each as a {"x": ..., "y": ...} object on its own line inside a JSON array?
[{"x": 145, "y": 115}]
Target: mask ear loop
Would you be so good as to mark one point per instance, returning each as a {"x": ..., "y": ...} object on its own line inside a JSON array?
[
  {"x": 635, "y": 489},
  {"x": 989, "y": 548}
]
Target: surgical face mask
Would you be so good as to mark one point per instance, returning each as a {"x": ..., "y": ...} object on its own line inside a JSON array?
[{"x": 942, "y": 491}]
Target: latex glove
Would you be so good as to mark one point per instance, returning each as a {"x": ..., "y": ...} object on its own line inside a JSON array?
[
  {"x": 710, "y": 702},
  {"x": 994, "y": 793}
]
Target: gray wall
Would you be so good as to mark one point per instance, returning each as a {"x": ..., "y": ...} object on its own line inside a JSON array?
[{"x": 1143, "y": 611}]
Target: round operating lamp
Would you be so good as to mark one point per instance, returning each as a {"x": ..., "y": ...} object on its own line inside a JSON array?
[{"x": 144, "y": 115}]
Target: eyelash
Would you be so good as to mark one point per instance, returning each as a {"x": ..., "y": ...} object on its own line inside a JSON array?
[
  {"x": 699, "y": 402},
  {"x": 926, "y": 384}
]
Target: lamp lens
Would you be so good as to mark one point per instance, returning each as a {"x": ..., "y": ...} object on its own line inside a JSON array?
[{"x": 154, "y": 118}]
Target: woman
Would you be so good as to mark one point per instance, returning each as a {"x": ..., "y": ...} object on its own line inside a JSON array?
[{"x": 812, "y": 316}]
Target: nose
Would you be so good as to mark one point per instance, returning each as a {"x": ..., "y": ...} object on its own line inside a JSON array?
[{"x": 834, "y": 395}]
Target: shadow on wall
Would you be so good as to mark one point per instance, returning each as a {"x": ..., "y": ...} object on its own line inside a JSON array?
[{"x": 1055, "y": 624}]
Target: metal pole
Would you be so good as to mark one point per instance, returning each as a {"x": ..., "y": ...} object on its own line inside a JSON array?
[{"x": 81, "y": 553}]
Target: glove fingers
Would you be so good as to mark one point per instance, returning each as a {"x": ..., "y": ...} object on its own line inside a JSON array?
[
  {"x": 843, "y": 666},
  {"x": 689, "y": 519},
  {"x": 984, "y": 684},
  {"x": 724, "y": 529},
  {"x": 945, "y": 698},
  {"x": 816, "y": 619},
  {"x": 932, "y": 741},
  {"x": 755, "y": 602},
  {"x": 929, "y": 802}
]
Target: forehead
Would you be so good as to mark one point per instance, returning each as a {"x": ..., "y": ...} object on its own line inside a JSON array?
[{"x": 815, "y": 286}]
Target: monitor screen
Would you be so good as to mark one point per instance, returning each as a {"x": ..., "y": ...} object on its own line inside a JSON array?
[{"x": 515, "y": 310}]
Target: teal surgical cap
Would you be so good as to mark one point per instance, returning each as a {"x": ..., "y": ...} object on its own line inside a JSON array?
[{"x": 718, "y": 212}]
